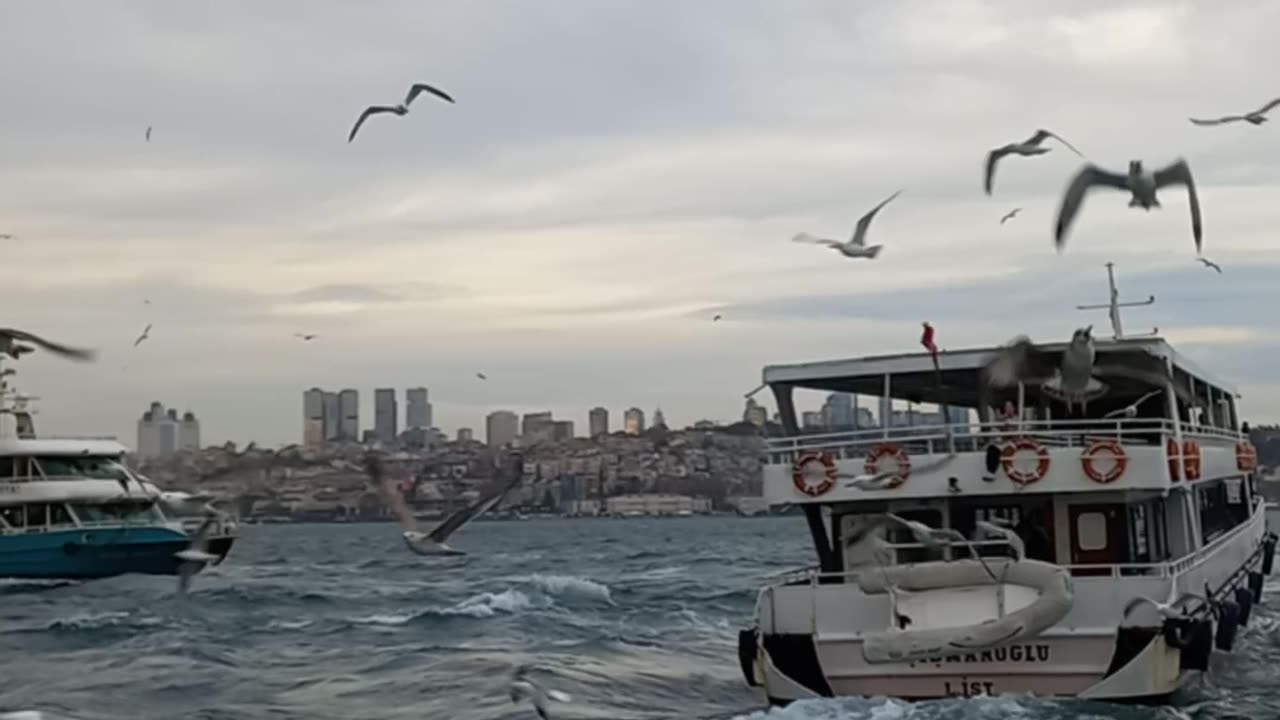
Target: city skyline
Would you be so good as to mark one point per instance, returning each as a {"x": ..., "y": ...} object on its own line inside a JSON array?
[{"x": 616, "y": 218}]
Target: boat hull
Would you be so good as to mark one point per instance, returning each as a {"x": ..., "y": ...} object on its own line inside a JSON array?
[{"x": 93, "y": 553}]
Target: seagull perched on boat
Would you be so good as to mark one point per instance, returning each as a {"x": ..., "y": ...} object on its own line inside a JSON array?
[
  {"x": 1072, "y": 374},
  {"x": 856, "y": 247},
  {"x": 196, "y": 555},
  {"x": 1257, "y": 117},
  {"x": 432, "y": 543},
  {"x": 523, "y": 687},
  {"x": 1209, "y": 264},
  {"x": 146, "y": 333},
  {"x": 983, "y": 528},
  {"x": 1139, "y": 182},
  {"x": 10, "y": 345},
  {"x": 1029, "y": 147},
  {"x": 1010, "y": 215},
  {"x": 402, "y": 109}
]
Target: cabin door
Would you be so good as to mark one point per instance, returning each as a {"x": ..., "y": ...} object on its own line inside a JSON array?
[{"x": 1097, "y": 537}]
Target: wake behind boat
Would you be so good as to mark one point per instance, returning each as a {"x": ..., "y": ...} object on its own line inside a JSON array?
[{"x": 1144, "y": 535}]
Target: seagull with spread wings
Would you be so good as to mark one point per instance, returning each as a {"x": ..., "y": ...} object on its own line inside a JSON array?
[
  {"x": 1256, "y": 117},
  {"x": 146, "y": 333},
  {"x": 856, "y": 246},
  {"x": 11, "y": 344},
  {"x": 402, "y": 109},
  {"x": 196, "y": 555},
  {"x": 1209, "y": 264},
  {"x": 1139, "y": 182},
  {"x": 1027, "y": 148}
]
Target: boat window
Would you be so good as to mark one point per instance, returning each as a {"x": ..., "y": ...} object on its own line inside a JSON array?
[
  {"x": 6, "y": 467},
  {"x": 14, "y": 516},
  {"x": 1091, "y": 531},
  {"x": 37, "y": 515},
  {"x": 1140, "y": 550},
  {"x": 115, "y": 512},
  {"x": 98, "y": 468},
  {"x": 898, "y": 535},
  {"x": 1217, "y": 513},
  {"x": 58, "y": 515}
]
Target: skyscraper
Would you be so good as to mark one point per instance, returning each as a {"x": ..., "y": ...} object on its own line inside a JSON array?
[
  {"x": 313, "y": 418},
  {"x": 500, "y": 428},
  {"x": 189, "y": 432},
  {"x": 349, "y": 414},
  {"x": 633, "y": 421},
  {"x": 659, "y": 418},
  {"x": 161, "y": 432},
  {"x": 837, "y": 411},
  {"x": 332, "y": 417},
  {"x": 464, "y": 435},
  {"x": 385, "y": 415},
  {"x": 535, "y": 427},
  {"x": 598, "y": 421},
  {"x": 417, "y": 412}
]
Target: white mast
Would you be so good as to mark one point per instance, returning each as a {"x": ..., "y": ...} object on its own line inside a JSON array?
[{"x": 1114, "y": 305}]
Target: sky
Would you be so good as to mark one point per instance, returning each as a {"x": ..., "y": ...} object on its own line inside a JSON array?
[{"x": 614, "y": 173}]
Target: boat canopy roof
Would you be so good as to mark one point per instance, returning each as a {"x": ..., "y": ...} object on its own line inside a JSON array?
[
  {"x": 913, "y": 376},
  {"x": 60, "y": 447}
]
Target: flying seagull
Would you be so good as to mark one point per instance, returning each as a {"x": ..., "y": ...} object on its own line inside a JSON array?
[
  {"x": 482, "y": 376},
  {"x": 306, "y": 337},
  {"x": 148, "y": 133},
  {"x": 522, "y": 687},
  {"x": 146, "y": 333},
  {"x": 1131, "y": 410},
  {"x": 196, "y": 555},
  {"x": 1072, "y": 375},
  {"x": 857, "y": 246},
  {"x": 6, "y": 236},
  {"x": 401, "y": 109},
  {"x": 432, "y": 543},
  {"x": 1140, "y": 183},
  {"x": 1010, "y": 215},
  {"x": 1209, "y": 264},
  {"x": 9, "y": 345},
  {"x": 716, "y": 318},
  {"x": 1028, "y": 147},
  {"x": 983, "y": 528},
  {"x": 1257, "y": 117}
]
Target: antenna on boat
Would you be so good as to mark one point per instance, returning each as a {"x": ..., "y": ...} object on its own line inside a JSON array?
[{"x": 1114, "y": 305}]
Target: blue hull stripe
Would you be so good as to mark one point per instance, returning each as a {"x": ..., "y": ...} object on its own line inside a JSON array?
[{"x": 89, "y": 553}]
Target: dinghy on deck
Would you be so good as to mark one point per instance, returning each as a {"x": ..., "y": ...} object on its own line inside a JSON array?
[{"x": 957, "y": 606}]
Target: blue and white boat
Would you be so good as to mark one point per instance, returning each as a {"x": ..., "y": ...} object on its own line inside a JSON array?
[{"x": 72, "y": 509}]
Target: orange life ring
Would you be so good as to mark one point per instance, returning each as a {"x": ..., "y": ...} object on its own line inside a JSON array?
[
  {"x": 1246, "y": 456},
  {"x": 1018, "y": 475},
  {"x": 1191, "y": 459},
  {"x": 1118, "y": 458},
  {"x": 884, "y": 450},
  {"x": 814, "y": 473},
  {"x": 1175, "y": 457}
]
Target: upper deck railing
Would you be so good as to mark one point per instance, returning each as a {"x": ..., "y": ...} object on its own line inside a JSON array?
[{"x": 974, "y": 437}]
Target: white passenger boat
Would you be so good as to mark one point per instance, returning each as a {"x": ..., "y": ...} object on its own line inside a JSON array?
[{"x": 1162, "y": 505}]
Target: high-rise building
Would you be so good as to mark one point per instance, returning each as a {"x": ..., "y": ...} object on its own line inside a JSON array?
[
  {"x": 633, "y": 421},
  {"x": 598, "y": 421},
  {"x": 561, "y": 430},
  {"x": 349, "y": 415},
  {"x": 385, "y": 415},
  {"x": 500, "y": 428},
  {"x": 536, "y": 427},
  {"x": 659, "y": 418},
  {"x": 417, "y": 412},
  {"x": 464, "y": 435},
  {"x": 313, "y": 418},
  {"x": 332, "y": 417},
  {"x": 755, "y": 413},
  {"x": 812, "y": 420},
  {"x": 161, "y": 432},
  {"x": 837, "y": 411}
]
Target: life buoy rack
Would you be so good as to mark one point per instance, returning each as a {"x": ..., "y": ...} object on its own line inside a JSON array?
[
  {"x": 1119, "y": 461},
  {"x": 1175, "y": 457},
  {"x": 1191, "y": 459},
  {"x": 1017, "y": 474},
  {"x": 812, "y": 483},
  {"x": 884, "y": 450},
  {"x": 1246, "y": 456}
]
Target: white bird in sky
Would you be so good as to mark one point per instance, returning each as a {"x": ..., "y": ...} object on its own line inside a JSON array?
[
  {"x": 146, "y": 333},
  {"x": 1010, "y": 215},
  {"x": 196, "y": 555},
  {"x": 401, "y": 109},
  {"x": 433, "y": 543},
  {"x": 857, "y": 246},
  {"x": 1256, "y": 117},
  {"x": 1209, "y": 264},
  {"x": 523, "y": 687},
  {"x": 306, "y": 337},
  {"x": 1030, "y": 146},
  {"x": 10, "y": 345},
  {"x": 1139, "y": 182}
]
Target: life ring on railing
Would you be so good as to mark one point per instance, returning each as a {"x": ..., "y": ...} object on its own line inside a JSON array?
[
  {"x": 1246, "y": 456},
  {"x": 814, "y": 473},
  {"x": 884, "y": 450},
  {"x": 1119, "y": 461},
  {"x": 1191, "y": 459},
  {"x": 1018, "y": 475}
]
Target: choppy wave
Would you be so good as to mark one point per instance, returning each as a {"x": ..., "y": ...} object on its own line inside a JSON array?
[{"x": 637, "y": 620}]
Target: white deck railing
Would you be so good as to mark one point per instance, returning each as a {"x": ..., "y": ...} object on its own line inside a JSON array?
[{"x": 972, "y": 437}]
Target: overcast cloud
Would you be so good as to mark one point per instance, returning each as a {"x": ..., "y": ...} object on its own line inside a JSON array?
[{"x": 613, "y": 174}]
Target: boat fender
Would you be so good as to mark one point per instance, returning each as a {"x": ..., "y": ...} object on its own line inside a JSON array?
[
  {"x": 1178, "y": 632},
  {"x": 1244, "y": 598},
  {"x": 1268, "y": 554},
  {"x": 1228, "y": 622},
  {"x": 1255, "y": 585},
  {"x": 1195, "y": 656},
  {"x": 748, "y": 651},
  {"x": 70, "y": 548}
]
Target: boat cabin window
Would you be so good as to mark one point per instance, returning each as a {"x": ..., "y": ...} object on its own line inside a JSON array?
[
  {"x": 116, "y": 511},
  {"x": 1222, "y": 505},
  {"x": 901, "y": 536},
  {"x": 6, "y": 468},
  {"x": 1148, "y": 532},
  {"x": 89, "y": 466},
  {"x": 1030, "y": 518},
  {"x": 59, "y": 515},
  {"x": 14, "y": 516}
]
